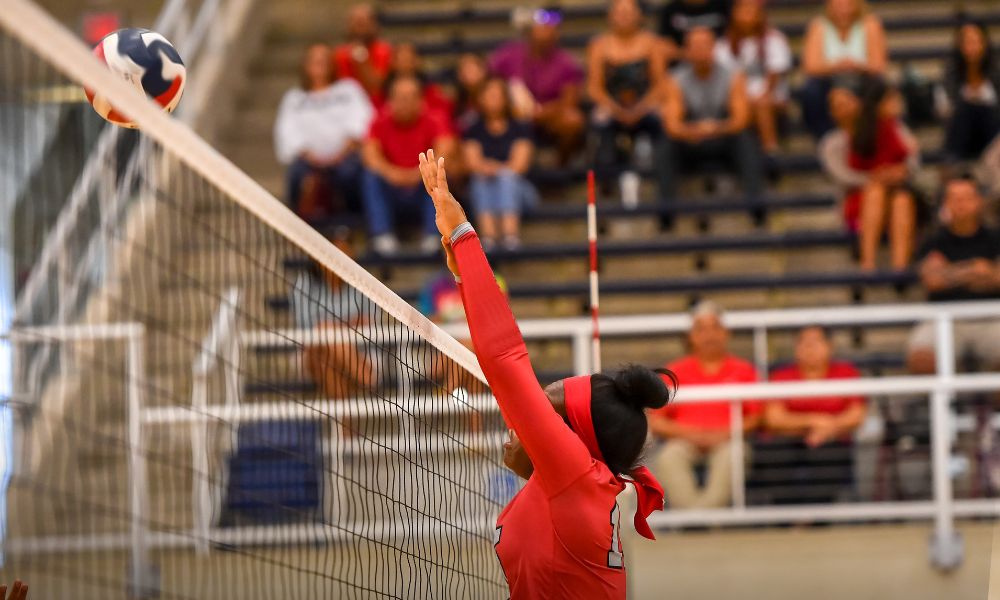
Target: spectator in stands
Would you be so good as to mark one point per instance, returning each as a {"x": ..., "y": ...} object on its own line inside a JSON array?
[
  {"x": 816, "y": 421},
  {"x": 815, "y": 435},
  {"x": 406, "y": 61},
  {"x": 547, "y": 78},
  {"x": 845, "y": 41},
  {"x": 625, "y": 69},
  {"x": 678, "y": 17},
  {"x": 750, "y": 44},
  {"x": 882, "y": 148},
  {"x": 987, "y": 170},
  {"x": 470, "y": 75},
  {"x": 364, "y": 56},
  {"x": 972, "y": 87},
  {"x": 498, "y": 151},
  {"x": 700, "y": 433},
  {"x": 835, "y": 148},
  {"x": 321, "y": 302},
  {"x": 317, "y": 134},
  {"x": 391, "y": 182},
  {"x": 958, "y": 262},
  {"x": 706, "y": 115},
  {"x": 441, "y": 301}
]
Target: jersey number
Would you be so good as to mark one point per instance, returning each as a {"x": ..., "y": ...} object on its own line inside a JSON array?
[{"x": 616, "y": 560}]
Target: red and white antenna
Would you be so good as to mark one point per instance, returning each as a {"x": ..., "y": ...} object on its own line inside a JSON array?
[{"x": 595, "y": 347}]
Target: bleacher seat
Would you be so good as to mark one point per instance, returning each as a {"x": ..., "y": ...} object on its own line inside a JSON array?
[{"x": 274, "y": 476}]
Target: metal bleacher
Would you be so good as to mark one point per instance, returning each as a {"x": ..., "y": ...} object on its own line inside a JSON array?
[{"x": 787, "y": 249}]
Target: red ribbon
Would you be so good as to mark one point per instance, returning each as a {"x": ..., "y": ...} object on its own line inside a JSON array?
[{"x": 647, "y": 489}]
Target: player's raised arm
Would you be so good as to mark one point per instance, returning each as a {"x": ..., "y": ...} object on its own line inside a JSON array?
[{"x": 556, "y": 452}]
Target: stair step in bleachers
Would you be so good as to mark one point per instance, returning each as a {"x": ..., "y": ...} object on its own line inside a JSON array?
[
  {"x": 665, "y": 245},
  {"x": 449, "y": 15},
  {"x": 688, "y": 285}
]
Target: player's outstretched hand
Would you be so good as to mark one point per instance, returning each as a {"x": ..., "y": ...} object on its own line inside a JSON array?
[
  {"x": 19, "y": 591},
  {"x": 449, "y": 213}
]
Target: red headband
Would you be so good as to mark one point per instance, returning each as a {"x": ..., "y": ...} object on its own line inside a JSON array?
[{"x": 647, "y": 490}]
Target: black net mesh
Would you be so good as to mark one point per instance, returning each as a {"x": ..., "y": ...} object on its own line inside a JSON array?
[{"x": 202, "y": 411}]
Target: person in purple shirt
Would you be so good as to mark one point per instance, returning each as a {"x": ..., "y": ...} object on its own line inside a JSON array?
[{"x": 545, "y": 81}]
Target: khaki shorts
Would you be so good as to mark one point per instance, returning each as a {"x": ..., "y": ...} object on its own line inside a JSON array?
[{"x": 980, "y": 339}]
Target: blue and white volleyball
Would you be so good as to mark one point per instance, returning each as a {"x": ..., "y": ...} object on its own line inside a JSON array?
[{"x": 148, "y": 61}]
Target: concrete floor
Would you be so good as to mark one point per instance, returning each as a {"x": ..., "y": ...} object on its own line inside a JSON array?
[
  {"x": 857, "y": 563},
  {"x": 884, "y": 562}
]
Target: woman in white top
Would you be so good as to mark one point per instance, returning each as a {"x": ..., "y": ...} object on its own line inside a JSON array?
[
  {"x": 845, "y": 40},
  {"x": 317, "y": 134},
  {"x": 762, "y": 53}
]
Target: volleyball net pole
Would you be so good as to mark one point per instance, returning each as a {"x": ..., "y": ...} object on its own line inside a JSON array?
[{"x": 595, "y": 341}]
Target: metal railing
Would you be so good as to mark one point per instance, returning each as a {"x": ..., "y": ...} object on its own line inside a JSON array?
[
  {"x": 219, "y": 350},
  {"x": 221, "y": 347},
  {"x": 137, "y": 539},
  {"x": 946, "y": 548}
]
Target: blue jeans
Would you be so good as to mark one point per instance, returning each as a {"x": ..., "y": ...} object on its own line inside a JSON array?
[
  {"x": 502, "y": 194},
  {"x": 383, "y": 201},
  {"x": 342, "y": 179}
]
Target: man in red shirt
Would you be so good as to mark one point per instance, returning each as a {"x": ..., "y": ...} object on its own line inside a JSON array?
[
  {"x": 817, "y": 421},
  {"x": 809, "y": 457},
  {"x": 364, "y": 56},
  {"x": 699, "y": 432},
  {"x": 391, "y": 183}
]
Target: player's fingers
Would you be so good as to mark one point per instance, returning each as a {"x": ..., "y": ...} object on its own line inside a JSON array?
[
  {"x": 442, "y": 177},
  {"x": 425, "y": 173},
  {"x": 432, "y": 169},
  {"x": 3, "y": 592},
  {"x": 23, "y": 594}
]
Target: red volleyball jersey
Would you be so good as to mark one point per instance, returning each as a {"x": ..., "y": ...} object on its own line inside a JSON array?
[{"x": 559, "y": 537}]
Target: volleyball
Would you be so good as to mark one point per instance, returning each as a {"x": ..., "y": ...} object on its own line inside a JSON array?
[{"x": 148, "y": 61}]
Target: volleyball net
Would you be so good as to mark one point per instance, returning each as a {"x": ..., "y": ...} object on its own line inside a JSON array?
[{"x": 209, "y": 398}]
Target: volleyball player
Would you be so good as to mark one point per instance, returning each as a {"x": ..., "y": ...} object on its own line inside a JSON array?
[
  {"x": 559, "y": 537},
  {"x": 18, "y": 591}
]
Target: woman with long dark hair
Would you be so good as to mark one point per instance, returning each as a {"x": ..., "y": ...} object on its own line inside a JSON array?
[
  {"x": 881, "y": 147},
  {"x": 559, "y": 537},
  {"x": 497, "y": 150},
  {"x": 972, "y": 87}
]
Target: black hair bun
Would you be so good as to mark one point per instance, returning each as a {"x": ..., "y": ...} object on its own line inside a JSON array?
[{"x": 641, "y": 387}]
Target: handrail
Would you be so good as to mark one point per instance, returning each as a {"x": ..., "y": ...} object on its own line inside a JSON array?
[
  {"x": 689, "y": 394},
  {"x": 946, "y": 546},
  {"x": 220, "y": 345}
]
